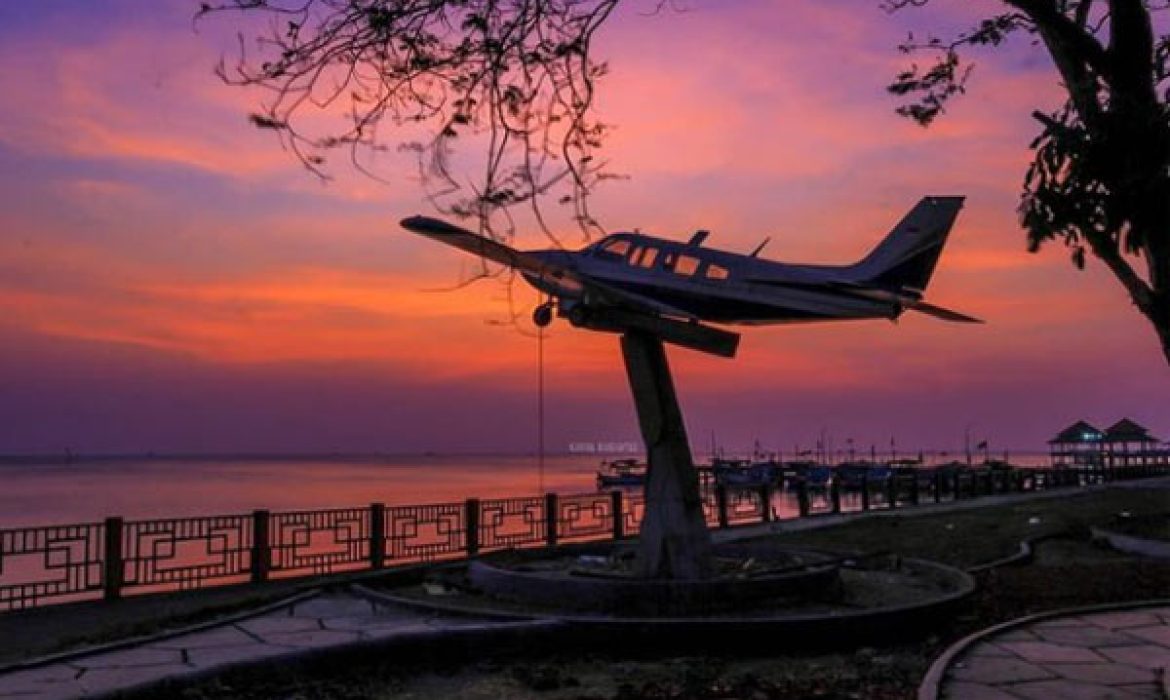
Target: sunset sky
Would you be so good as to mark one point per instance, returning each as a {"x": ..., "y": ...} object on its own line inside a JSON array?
[{"x": 171, "y": 280}]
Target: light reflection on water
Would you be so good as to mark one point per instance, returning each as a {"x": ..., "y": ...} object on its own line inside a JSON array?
[{"x": 57, "y": 493}]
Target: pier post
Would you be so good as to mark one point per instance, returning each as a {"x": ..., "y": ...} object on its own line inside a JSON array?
[
  {"x": 551, "y": 508},
  {"x": 891, "y": 492},
  {"x": 802, "y": 503},
  {"x": 766, "y": 503},
  {"x": 471, "y": 526},
  {"x": 619, "y": 514},
  {"x": 938, "y": 486},
  {"x": 864, "y": 492},
  {"x": 261, "y": 552},
  {"x": 377, "y": 535},
  {"x": 113, "y": 564},
  {"x": 835, "y": 493},
  {"x": 914, "y": 495}
]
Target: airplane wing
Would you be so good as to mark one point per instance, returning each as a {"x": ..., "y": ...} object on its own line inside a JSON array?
[{"x": 475, "y": 244}]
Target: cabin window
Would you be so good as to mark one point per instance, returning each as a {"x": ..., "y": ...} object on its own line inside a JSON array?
[
  {"x": 614, "y": 250},
  {"x": 645, "y": 257},
  {"x": 717, "y": 272},
  {"x": 686, "y": 265}
]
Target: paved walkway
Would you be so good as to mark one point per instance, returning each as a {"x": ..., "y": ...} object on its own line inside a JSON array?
[
  {"x": 1120, "y": 654},
  {"x": 292, "y": 629}
]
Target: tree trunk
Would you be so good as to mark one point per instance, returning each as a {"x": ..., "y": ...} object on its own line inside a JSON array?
[
  {"x": 1159, "y": 315},
  {"x": 674, "y": 542}
]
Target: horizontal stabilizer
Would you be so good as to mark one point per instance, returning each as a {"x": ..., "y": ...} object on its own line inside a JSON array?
[{"x": 940, "y": 312}]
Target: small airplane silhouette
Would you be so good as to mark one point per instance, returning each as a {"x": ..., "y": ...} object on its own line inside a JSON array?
[{"x": 672, "y": 289}]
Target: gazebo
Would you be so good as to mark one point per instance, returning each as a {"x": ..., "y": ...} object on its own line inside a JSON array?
[
  {"x": 1078, "y": 446},
  {"x": 1127, "y": 444}
]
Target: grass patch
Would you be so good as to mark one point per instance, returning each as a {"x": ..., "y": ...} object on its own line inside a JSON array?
[
  {"x": 968, "y": 538},
  {"x": 1150, "y": 527}
]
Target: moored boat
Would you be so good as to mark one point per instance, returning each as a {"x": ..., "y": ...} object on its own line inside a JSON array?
[{"x": 621, "y": 472}]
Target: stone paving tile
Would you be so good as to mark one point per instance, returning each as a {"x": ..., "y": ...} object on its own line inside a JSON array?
[
  {"x": 1045, "y": 652},
  {"x": 1122, "y": 620},
  {"x": 312, "y": 639},
  {"x": 1146, "y": 656},
  {"x": 975, "y": 691},
  {"x": 55, "y": 679},
  {"x": 217, "y": 637},
  {"x": 98, "y": 680},
  {"x": 395, "y": 630},
  {"x": 1086, "y": 635},
  {"x": 987, "y": 649},
  {"x": 130, "y": 658},
  {"x": 333, "y": 606},
  {"x": 263, "y": 626},
  {"x": 1159, "y": 634},
  {"x": 988, "y": 669},
  {"x": 1058, "y": 622},
  {"x": 1104, "y": 673},
  {"x": 1149, "y": 691},
  {"x": 1017, "y": 635},
  {"x": 354, "y": 622},
  {"x": 1061, "y": 689},
  {"x": 218, "y": 656},
  {"x": 63, "y": 691}
]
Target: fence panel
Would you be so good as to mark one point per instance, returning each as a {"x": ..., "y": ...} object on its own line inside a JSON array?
[
  {"x": 633, "y": 509},
  {"x": 585, "y": 516},
  {"x": 186, "y": 553},
  {"x": 744, "y": 506},
  {"x": 425, "y": 533},
  {"x": 58, "y": 562},
  {"x": 319, "y": 541},
  {"x": 512, "y": 522}
]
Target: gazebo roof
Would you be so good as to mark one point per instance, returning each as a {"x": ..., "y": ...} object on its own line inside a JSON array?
[
  {"x": 1078, "y": 432},
  {"x": 1125, "y": 430}
]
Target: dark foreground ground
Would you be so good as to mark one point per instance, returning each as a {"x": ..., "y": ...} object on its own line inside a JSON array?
[{"x": 1068, "y": 570}]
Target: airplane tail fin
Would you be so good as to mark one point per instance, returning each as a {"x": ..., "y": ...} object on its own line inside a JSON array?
[{"x": 905, "y": 260}]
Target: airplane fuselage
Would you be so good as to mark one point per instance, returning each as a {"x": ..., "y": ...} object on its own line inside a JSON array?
[{"x": 714, "y": 285}]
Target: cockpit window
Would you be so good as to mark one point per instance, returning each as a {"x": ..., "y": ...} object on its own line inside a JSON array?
[
  {"x": 614, "y": 250},
  {"x": 717, "y": 272},
  {"x": 686, "y": 265},
  {"x": 645, "y": 257}
]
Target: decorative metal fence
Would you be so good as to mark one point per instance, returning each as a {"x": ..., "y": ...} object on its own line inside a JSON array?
[{"x": 117, "y": 557}]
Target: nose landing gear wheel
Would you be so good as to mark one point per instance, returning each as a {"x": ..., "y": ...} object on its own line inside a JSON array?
[{"x": 542, "y": 315}]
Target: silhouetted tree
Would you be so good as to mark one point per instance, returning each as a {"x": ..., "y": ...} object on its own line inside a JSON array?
[
  {"x": 1100, "y": 178},
  {"x": 516, "y": 77}
]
